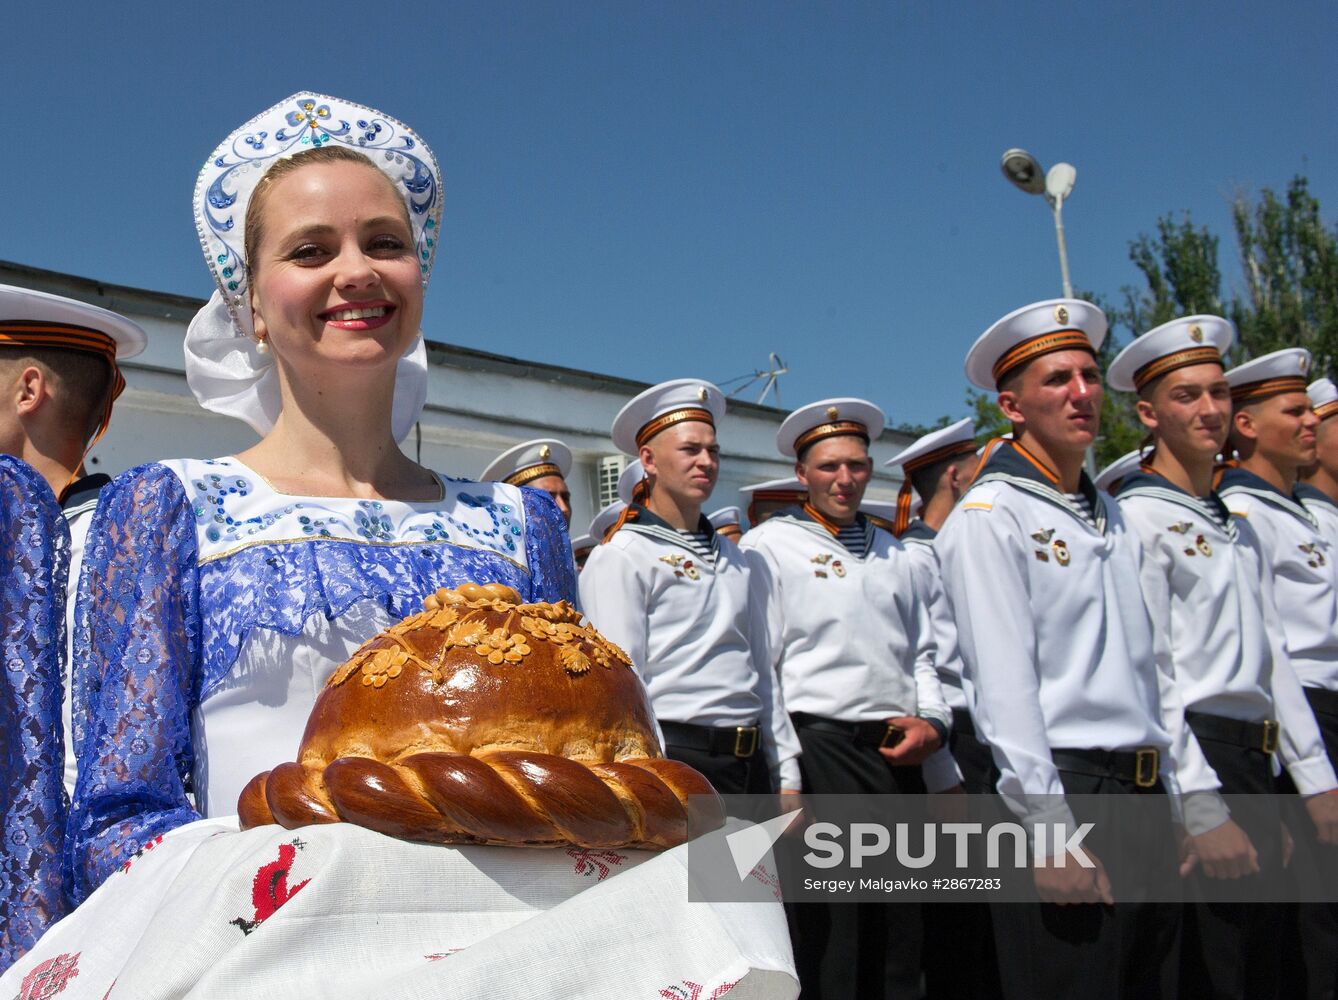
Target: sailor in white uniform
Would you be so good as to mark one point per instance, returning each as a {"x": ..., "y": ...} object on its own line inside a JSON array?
[
  {"x": 681, "y": 601},
  {"x": 543, "y": 464},
  {"x": 959, "y": 959},
  {"x": 1273, "y": 435},
  {"x": 1057, "y": 647},
  {"x": 852, "y": 642},
  {"x": 1318, "y": 491},
  {"x": 60, "y": 356},
  {"x": 1211, "y": 598}
]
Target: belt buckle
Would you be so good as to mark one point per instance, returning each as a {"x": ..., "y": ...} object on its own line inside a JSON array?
[
  {"x": 891, "y": 738},
  {"x": 740, "y": 732},
  {"x": 1271, "y": 732},
  {"x": 1146, "y": 765}
]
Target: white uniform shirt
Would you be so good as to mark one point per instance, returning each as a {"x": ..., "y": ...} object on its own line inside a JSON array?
[
  {"x": 848, "y": 634},
  {"x": 1211, "y": 600},
  {"x": 1056, "y": 643},
  {"x": 1305, "y": 577},
  {"x": 689, "y": 625}
]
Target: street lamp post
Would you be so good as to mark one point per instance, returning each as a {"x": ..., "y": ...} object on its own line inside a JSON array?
[{"x": 1026, "y": 174}]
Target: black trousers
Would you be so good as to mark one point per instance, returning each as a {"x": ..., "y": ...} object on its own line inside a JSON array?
[
  {"x": 728, "y": 775},
  {"x": 1230, "y": 949},
  {"x": 958, "y": 952},
  {"x": 1129, "y": 951},
  {"x": 861, "y": 951},
  {"x": 1310, "y": 949}
]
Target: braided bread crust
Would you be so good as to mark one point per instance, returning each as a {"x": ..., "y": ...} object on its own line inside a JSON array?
[
  {"x": 486, "y": 721},
  {"x": 505, "y": 798}
]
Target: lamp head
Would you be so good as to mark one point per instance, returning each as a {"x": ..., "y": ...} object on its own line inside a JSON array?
[{"x": 1023, "y": 171}]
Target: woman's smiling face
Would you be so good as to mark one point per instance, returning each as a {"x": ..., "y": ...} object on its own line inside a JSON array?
[{"x": 335, "y": 279}]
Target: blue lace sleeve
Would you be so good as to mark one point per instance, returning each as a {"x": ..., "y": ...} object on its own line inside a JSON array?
[
  {"x": 34, "y": 558},
  {"x": 548, "y": 550},
  {"x": 136, "y": 673}
]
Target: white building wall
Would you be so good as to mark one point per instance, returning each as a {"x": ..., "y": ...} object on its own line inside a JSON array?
[{"x": 478, "y": 405}]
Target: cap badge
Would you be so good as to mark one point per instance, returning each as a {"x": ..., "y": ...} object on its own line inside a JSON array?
[
  {"x": 1196, "y": 333},
  {"x": 1061, "y": 314},
  {"x": 545, "y": 452},
  {"x": 832, "y": 413},
  {"x": 702, "y": 393},
  {"x": 1303, "y": 363}
]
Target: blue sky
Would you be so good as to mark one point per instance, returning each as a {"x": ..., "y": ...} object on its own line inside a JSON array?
[{"x": 654, "y": 190}]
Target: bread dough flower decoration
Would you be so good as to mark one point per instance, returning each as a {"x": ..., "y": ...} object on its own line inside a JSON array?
[{"x": 501, "y": 645}]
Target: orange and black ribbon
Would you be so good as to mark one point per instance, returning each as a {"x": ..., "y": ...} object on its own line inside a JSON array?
[
  {"x": 1034, "y": 347},
  {"x": 1167, "y": 363},
  {"x": 667, "y": 420},
  {"x": 833, "y": 429},
  {"x": 532, "y": 472},
  {"x": 903, "y": 518},
  {"x": 1250, "y": 391}
]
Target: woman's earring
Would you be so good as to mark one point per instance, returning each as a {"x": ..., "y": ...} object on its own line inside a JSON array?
[{"x": 262, "y": 345}]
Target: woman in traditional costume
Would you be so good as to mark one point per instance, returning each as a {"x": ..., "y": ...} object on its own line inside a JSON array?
[{"x": 219, "y": 594}]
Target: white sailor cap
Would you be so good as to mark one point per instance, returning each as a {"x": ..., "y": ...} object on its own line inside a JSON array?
[
  {"x": 664, "y": 405},
  {"x": 628, "y": 480},
  {"x": 605, "y": 519},
  {"x": 1109, "y": 477},
  {"x": 1029, "y": 332},
  {"x": 29, "y": 318},
  {"x": 583, "y": 542},
  {"x": 1323, "y": 397},
  {"x": 724, "y": 517},
  {"x": 787, "y": 491},
  {"x": 955, "y": 439},
  {"x": 1275, "y": 373},
  {"x": 944, "y": 443},
  {"x": 828, "y": 418},
  {"x": 1192, "y": 340},
  {"x": 529, "y": 461}
]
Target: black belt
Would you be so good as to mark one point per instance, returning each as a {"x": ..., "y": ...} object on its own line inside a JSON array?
[
  {"x": 741, "y": 741},
  {"x": 1262, "y": 736},
  {"x": 1141, "y": 766},
  {"x": 963, "y": 723},
  {"x": 1322, "y": 700},
  {"x": 875, "y": 734}
]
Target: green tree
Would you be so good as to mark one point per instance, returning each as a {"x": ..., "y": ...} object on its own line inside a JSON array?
[{"x": 1289, "y": 260}]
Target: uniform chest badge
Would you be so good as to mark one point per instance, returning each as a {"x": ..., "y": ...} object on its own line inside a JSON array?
[
  {"x": 1314, "y": 557},
  {"x": 1180, "y": 527},
  {"x": 1061, "y": 550},
  {"x": 826, "y": 560},
  {"x": 1203, "y": 545},
  {"x": 683, "y": 566}
]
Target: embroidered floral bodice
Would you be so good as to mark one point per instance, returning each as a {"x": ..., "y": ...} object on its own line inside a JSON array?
[
  {"x": 34, "y": 557},
  {"x": 212, "y": 608}
]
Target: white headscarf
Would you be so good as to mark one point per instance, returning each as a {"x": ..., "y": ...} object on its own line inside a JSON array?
[{"x": 223, "y": 366}]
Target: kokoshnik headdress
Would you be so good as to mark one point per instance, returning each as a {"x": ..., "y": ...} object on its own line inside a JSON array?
[{"x": 224, "y": 367}]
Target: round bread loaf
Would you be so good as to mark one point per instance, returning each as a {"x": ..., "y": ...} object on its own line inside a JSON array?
[{"x": 483, "y": 720}]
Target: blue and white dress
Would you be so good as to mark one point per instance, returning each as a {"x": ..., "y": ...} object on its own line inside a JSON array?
[{"x": 212, "y": 608}]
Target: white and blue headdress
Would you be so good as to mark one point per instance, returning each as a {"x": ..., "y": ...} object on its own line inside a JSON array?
[{"x": 224, "y": 368}]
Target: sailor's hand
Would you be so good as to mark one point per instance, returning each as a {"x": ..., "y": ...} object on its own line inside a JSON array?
[{"x": 918, "y": 740}]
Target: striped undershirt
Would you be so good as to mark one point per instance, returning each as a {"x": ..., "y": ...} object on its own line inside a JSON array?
[
  {"x": 700, "y": 543},
  {"x": 1218, "y": 511},
  {"x": 1084, "y": 506},
  {"x": 853, "y": 537}
]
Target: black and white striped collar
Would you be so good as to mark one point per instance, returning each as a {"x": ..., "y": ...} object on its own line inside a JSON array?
[
  {"x": 1008, "y": 465},
  {"x": 1243, "y": 481},
  {"x": 652, "y": 526},
  {"x": 1150, "y": 484},
  {"x": 918, "y": 531}
]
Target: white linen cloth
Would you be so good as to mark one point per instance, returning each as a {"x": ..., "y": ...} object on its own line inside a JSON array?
[{"x": 341, "y": 912}]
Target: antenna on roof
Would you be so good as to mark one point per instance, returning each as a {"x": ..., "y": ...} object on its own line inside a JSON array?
[{"x": 770, "y": 380}]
